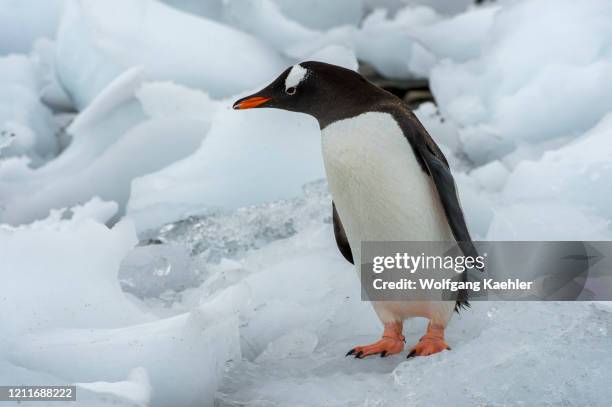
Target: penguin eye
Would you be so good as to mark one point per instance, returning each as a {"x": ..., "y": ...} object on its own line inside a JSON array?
[{"x": 291, "y": 90}]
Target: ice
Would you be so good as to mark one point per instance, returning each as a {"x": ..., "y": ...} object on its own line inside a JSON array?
[
  {"x": 566, "y": 184},
  {"x": 491, "y": 96},
  {"x": 491, "y": 176},
  {"x": 168, "y": 99},
  {"x": 235, "y": 165},
  {"x": 295, "y": 344},
  {"x": 474, "y": 26},
  {"x": 159, "y": 248},
  {"x": 222, "y": 234},
  {"x": 310, "y": 348},
  {"x": 443, "y": 131},
  {"x": 23, "y": 118},
  {"x": 322, "y": 14},
  {"x": 336, "y": 55},
  {"x": 136, "y": 389},
  {"x": 183, "y": 355},
  {"x": 68, "y": 247},
  {"x": 77, "y": 312},
  {"x": 22, "y": 22},
  {"x": 95, "y": 44},
  {"x": 52, "y": 94},
  {"x": 447, "y": 7},
  {"x": 574, "y": 174},
  {"x": 212, "y": 9},
  {"x": 265, "y": 20},
  {"x": 150, "y": 271},
  {"x": 107, "y": 135},
  {"x": 547, "y": 221}
]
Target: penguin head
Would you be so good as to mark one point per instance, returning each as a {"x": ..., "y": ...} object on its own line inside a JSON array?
[{"x": 326, "y": 92}]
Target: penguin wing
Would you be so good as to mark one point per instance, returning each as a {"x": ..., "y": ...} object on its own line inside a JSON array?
[
  {"x": 434, "y": 163},
  {"x": 340, "y": 234}
]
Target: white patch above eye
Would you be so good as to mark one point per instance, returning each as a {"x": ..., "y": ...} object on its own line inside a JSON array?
[{"x": 296, "y": 75}]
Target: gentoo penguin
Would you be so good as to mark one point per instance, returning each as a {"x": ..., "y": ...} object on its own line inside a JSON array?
[{"x": 388, "y": 179}]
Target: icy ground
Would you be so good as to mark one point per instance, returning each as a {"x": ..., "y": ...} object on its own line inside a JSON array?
[{"x": 158, "y": 248}]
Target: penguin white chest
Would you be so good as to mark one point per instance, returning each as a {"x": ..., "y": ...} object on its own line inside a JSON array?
[{"x": 378, "y": 186}]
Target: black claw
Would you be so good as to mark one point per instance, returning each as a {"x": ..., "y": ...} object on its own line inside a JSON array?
[
  {"x": 358, "y": 355},
  {"x": 350, "y": 352},
  {"x": 411, "y": 354},
  {"x": 383, "y": 353}
]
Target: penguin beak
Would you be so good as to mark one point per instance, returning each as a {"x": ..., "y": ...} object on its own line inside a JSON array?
[{"x": 250, "y": 102}]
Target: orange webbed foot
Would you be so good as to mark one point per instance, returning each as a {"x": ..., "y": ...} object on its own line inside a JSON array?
[
  {"x": 432, "y": 342},
  {"x": 391, "y": 343},
  {"x": 384, "y": 347}
]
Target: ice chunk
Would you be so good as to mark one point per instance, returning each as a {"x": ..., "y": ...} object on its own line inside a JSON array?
[
  {"x": 184, "y": 355},
  {"x": 99, "y": 162},
  {"x": 443, "y": 131},
  {"x": 442, "y": 39},
  {"x": 575, "y": 174},
  {"x": 491, "y": 176},
  {"x": 379, "y": 39},
  {"x": 264, "y": 19},
  {"x": 336, "y": 55},
  {"x": 493, "y": 95},
  {"x": 23, "y": 118},
  {"x": 136, "y": 389},
  {"x": 447, "y": 7},
  {"x": 149, "y": 271},
  {"x": 219, "y": 235},
  {"x": 322, "y": 14},
  {"x": 212, "y": 9},
  {"x": 95, "y": 44},
  {"x": 167, "y": 99},
  {"x": 544, "y": 220},
  {"x": 235, "y": 165},
  {"x": 52, "y": 289},
  {"x": 298, "y": 343},
  {"x": 22, "y": 22}
]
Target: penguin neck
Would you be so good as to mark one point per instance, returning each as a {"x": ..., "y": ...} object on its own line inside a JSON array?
[{"x": 354, "y": 102}]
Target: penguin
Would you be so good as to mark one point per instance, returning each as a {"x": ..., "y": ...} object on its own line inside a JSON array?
[{"x": 388, "y": 179}]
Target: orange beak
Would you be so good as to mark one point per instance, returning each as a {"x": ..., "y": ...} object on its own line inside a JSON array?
[{"x": 251, "y": 102}]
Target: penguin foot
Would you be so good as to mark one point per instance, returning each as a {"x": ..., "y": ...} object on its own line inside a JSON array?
[
  {"x": 391, "y": 343},
  {"x": 430, "y": 343}
]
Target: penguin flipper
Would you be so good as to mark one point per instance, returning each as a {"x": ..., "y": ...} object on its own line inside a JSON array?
[
  {"x": 447, "y": 192},
  {"x": 434, "y": 163},
  {"x": 340, "y": 234}
]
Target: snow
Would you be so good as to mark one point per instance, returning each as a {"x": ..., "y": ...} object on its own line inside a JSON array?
[{"x": 159, "y": 248}]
